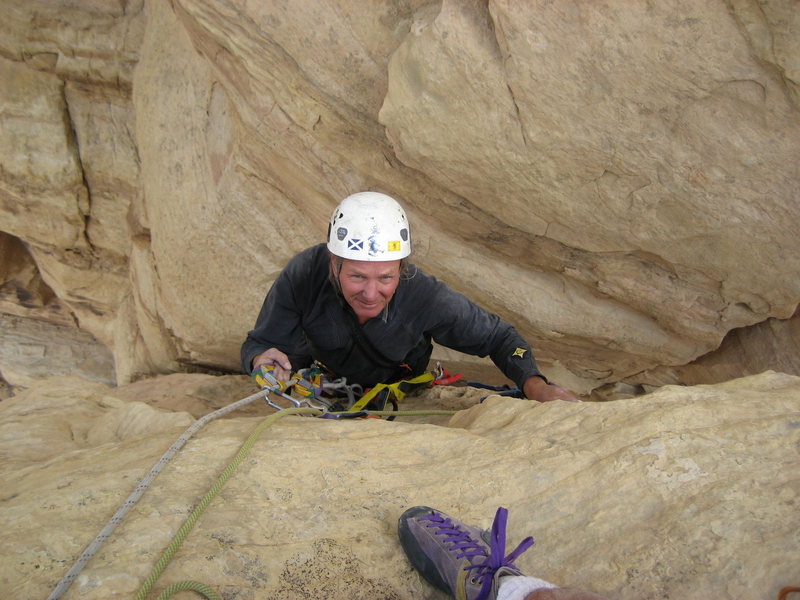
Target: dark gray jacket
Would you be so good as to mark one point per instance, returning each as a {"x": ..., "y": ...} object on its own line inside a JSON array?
[{"x": 306, "y": 318}]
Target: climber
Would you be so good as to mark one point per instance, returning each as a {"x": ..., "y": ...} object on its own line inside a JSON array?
[
  {"x": 357, "y": 306},
  {"x": 471, "y": 564}
]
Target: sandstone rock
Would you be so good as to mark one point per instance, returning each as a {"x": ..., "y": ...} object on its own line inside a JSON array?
[
  {"x": 33, "y": 349},
  {"x": 195, "y": 393},
  {"x": 22, "y": 291},
  {"x": 585, "y": 159},
  {"x": 42, "y": 198},
  {"x": 772, "y": 344},
  {"x": 6, "y": 391},
  {"x": 70, "y": 169},
  {"x": 618, "y": 181},
  {"x": 103, "y": 120},
  {"x": 84, "y": 40},
  {"x": 40, "y": 336},
  {"x": 684, "y": 493}
]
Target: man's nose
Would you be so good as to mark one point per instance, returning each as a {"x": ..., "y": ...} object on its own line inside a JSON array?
[{"x": 370, "y": 291}]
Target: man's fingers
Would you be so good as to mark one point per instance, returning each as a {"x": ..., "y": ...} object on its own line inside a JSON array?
[{"x": 282, "y": 374}]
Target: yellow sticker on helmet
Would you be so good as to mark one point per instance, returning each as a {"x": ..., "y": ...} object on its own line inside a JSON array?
[{"x": 394, "y": 246}]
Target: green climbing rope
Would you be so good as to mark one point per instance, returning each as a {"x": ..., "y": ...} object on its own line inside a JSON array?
[
  {"x": 194, "y": 586},
  {"x": 226, "y": 474},
  {"x": 187, "y": 526}
]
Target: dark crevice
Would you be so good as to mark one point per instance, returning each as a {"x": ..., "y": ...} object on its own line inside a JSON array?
[{"x": 72, "y": 141}]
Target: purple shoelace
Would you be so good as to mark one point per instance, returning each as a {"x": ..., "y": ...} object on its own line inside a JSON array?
[{"x": 474, "y": 550}]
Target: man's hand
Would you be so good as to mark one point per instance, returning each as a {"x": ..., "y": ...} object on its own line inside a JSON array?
[
  {"x": 536, "y": 388},
  {"x": 273, "y": 356}
]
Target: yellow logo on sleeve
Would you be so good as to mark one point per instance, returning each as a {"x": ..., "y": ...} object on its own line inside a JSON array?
[{"x": 519, "y": 352}]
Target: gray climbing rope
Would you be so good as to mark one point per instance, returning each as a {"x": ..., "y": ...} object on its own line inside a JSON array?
[
  {"x": 143, "y": 484},
  {"x": 226, "y": 474},
  {"x": 90, "y": 550}
]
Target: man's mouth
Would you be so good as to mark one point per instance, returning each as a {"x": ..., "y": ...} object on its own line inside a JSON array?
[{"x": 366, "y": 304}]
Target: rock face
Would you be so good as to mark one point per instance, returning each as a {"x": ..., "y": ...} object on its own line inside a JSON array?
[
  {"x": 683, "y": 493},
  {"x": 619, "y": 181},
  {"x": 33, "y": 348}
]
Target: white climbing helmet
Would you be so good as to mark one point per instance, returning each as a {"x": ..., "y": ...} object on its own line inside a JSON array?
[{"x": 369, "y": 226}]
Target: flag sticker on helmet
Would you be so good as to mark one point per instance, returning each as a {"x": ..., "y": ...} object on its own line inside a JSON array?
[
  {"x": 394, "y": 246},
  {"x": 355, "y": 244},
  {"x": 519, "y": 352}
]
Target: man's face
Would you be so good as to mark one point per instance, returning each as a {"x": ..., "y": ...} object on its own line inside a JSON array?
[{"x": 369, "y": 286}]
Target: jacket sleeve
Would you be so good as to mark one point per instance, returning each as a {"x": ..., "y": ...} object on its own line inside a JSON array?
[
  {"x": 279, "y": 322},
  {"x": 464, "y": 326}
]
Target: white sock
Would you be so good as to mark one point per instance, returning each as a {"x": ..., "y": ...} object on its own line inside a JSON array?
[{"x": 516, "y": 587}]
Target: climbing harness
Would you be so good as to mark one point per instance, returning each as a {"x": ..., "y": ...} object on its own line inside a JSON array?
[{"x": 270, "y": 385}]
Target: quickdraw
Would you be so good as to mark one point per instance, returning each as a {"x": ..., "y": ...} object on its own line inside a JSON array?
[
  {"x": 315, "y": 388},
  {"x": 312, "y": 388}
]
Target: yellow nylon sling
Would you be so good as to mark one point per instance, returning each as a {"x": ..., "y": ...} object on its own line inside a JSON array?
[{"x": 399, "y": 389}]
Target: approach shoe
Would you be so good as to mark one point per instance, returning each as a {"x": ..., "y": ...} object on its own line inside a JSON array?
[{"x": 464, "y": 561}]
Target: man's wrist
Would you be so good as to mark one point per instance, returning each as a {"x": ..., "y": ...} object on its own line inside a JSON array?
[
  {"x": 253, "y": 360},
  {"x": 533, "y": 384},
  {"x": 536, "y": 380}
]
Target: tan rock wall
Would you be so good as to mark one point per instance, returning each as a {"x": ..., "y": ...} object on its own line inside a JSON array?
[
  {"x": 683, "y": 493},
  {"x": 618, "y": 180}
]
